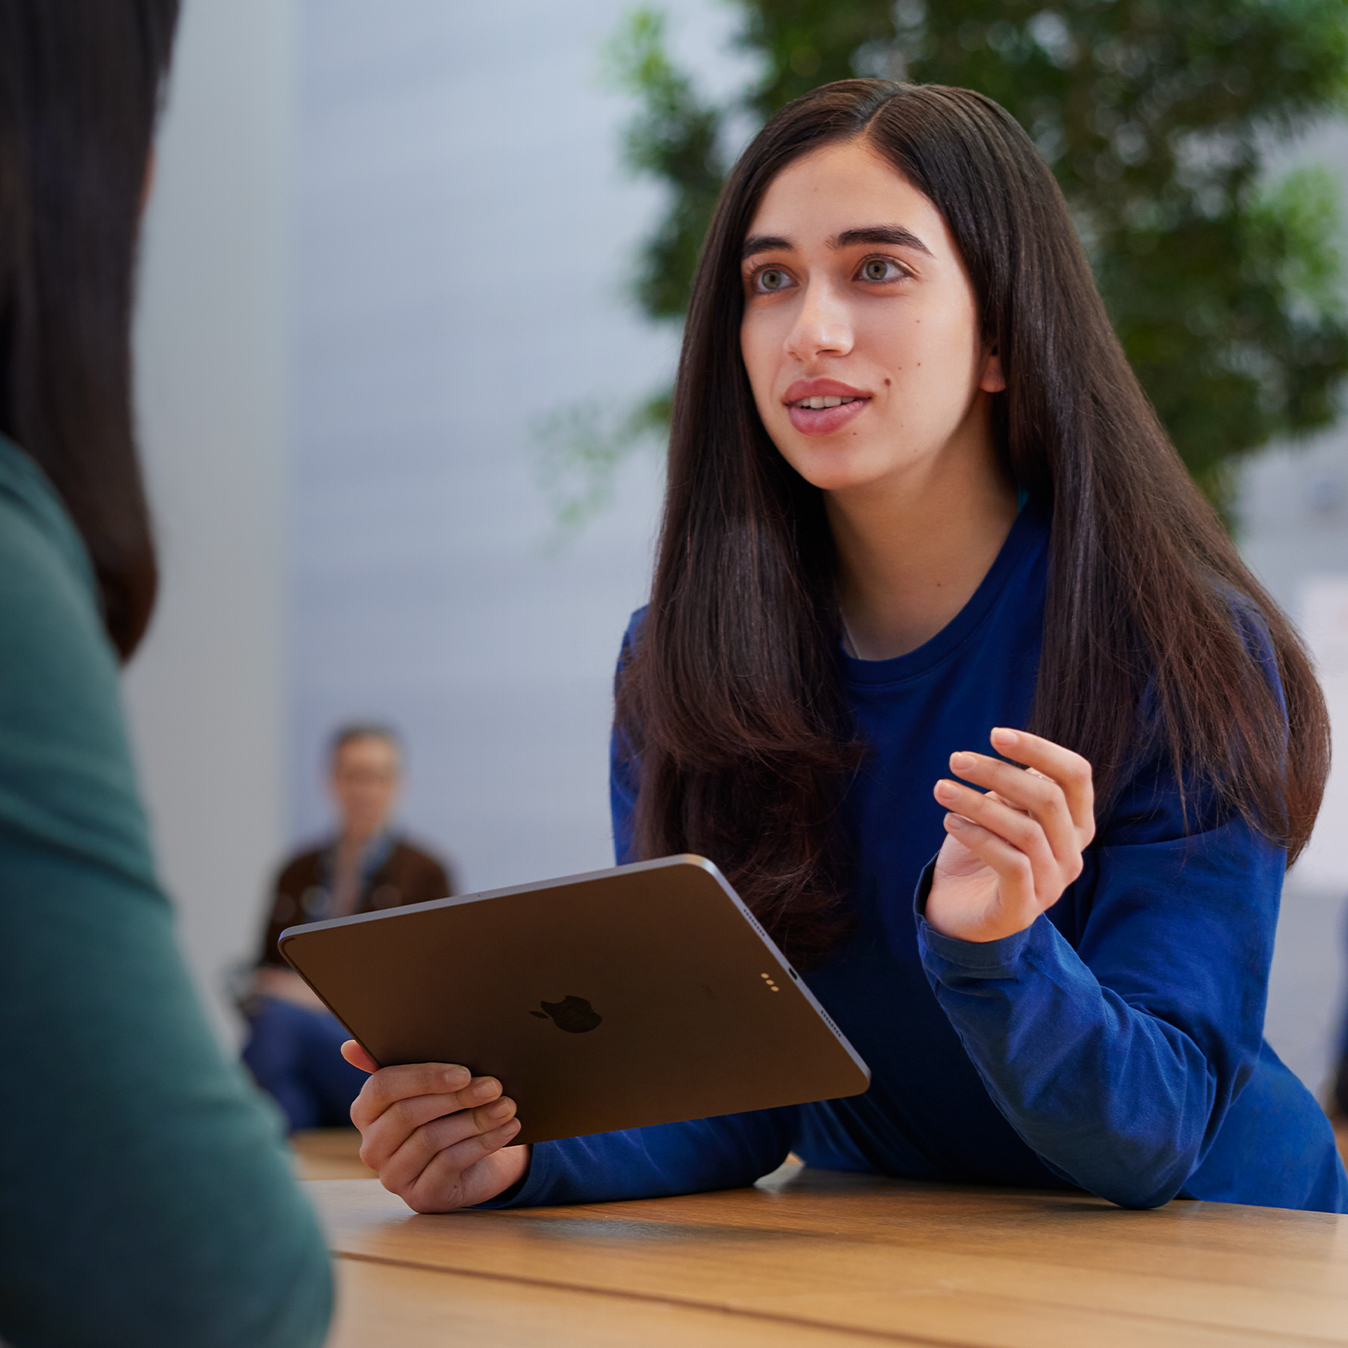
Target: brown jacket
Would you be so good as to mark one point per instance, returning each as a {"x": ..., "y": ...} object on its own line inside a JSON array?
[{"x": 406, "y": 875}]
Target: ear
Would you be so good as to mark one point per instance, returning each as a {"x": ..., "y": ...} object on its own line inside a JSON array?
[{"x": 992, "y": 380}]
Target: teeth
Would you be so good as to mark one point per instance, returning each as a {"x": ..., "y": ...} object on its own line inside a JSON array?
[{"x": 818, "y": 404}]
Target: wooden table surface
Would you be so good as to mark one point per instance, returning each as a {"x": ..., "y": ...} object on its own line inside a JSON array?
[{"x": 809, "y": 1258}]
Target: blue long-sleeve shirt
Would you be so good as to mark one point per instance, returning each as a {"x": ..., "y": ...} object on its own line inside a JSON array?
[{"x": 1115, "y": 1045}]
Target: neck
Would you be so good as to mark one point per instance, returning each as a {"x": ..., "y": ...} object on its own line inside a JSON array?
[{"x": 914, "y": 547}]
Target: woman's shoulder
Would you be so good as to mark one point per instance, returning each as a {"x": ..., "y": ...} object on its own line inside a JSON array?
[
  {"x": 631, "y": 635},
  {"x": 49, "y": 606},
  {"x": 38, "y": 537},
  {"x": 1161, "y": 800},
  {"x": 65, "y": 763},
  {"x": 51, "y": 630},
  {"x": 635, "y": 624}
]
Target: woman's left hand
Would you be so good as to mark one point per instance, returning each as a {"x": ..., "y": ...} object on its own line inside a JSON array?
[{"x": 1010, "y": 851}]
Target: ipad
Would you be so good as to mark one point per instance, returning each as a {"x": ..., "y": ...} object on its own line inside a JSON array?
[{"x": 640, "y": 995}]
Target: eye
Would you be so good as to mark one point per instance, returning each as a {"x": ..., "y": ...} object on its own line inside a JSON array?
[
  {"x": 770, "y": 280},
  {"x": 882, "y": 269}
]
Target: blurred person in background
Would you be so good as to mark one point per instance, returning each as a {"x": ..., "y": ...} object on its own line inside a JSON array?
[
  {"x": 146, "y": 1196},
  {"x": 294, "y": 1044}
]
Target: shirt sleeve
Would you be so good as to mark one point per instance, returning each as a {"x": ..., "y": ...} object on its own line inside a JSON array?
[
  {"x": 671, "y": 1158},
  {"x": 145, "y": 1195},
  {"x": 1116, "y": 1054}
]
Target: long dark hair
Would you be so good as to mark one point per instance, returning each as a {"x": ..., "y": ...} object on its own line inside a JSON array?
[
  {"x": 80, "y": 88},
  {"x": 731, "y": 700}
]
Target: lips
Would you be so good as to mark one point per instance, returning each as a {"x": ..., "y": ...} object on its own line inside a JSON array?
[{"x": 823, "y": 406}]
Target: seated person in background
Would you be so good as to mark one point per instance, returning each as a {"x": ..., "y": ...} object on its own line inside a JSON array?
[{"x": 294, "y": 1049}]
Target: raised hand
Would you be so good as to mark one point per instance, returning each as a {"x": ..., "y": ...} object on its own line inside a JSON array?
[
  {"x": 1011, "y": 851},
  {"x": 436, "y": 1135}
]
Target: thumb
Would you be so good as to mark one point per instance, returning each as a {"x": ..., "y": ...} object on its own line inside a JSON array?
[{"x": 358, "y": 1057}]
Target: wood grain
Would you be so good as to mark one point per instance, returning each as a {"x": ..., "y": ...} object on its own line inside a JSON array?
[
  {"x": 388, "y": 1304},
  {"x": 901, "y": 1261},
  {"x": 328, "y": 1153}
]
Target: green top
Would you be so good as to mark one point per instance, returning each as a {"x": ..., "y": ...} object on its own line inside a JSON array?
[{"x": 145, "y": 1194}]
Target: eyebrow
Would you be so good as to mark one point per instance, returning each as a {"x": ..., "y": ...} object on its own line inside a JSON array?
[
  {"x": 895, "y": 235},
  {"x": 892, "y": 234}
]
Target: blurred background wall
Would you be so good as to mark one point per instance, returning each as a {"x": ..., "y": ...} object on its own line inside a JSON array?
[
  {"x": 461, "y": 231},
  {"x": 386, "y": 242},
  {"x": 207, "y": 693}
]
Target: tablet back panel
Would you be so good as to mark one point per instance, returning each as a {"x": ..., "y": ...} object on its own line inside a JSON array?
[{"x": 645, "y": 994}]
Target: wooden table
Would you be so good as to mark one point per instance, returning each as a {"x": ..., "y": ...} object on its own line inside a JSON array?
[{"x": 808, "y": 1258}]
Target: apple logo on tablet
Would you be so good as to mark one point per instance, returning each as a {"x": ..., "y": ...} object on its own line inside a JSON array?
[{"x": 573, "y": 1014}]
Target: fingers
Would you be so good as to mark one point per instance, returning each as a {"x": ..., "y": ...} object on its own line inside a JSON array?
[
  {"x": 1022, "y": 832},
  {"x": 358, "y": 1057},
  {"x": 1036, "y": 795},
  {"x": 1042, "y": 813},
  {"x": 493, "y": 1166},
  {"x": 447, "y": 1146},
  {"x": 1012, "y": 866},
  {"x": 1071, "y": 772},
  {"x": 389, "y": 1130},
  {"x": 391, "y": 1084}
]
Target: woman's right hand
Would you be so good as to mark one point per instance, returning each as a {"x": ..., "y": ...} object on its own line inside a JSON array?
[{"x": 436, "y": 1135}]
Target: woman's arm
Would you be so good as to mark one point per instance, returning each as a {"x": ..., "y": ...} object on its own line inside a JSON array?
[
  {"x": 658, "y": 1162},
  {"x": 145, "y": 1195},
  {"x": 1116, "y": 1060}
]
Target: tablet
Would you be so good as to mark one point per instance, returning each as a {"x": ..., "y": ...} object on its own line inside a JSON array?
[{"x": 640, "y": 995}]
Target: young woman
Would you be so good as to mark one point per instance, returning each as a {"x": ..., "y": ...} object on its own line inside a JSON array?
[
  {"x": 145, "y": 1197},
  {"x": 953, "y": 672}
]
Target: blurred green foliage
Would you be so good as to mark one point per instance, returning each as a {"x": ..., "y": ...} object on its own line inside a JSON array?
[
  {"x": 1157, "y": 117},
  {"x": 582, "y": 447}
]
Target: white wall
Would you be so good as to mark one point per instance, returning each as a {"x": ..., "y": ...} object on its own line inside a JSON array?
[
  {"x": 464, "y": 232},
  {"x": 205, "y": 693}
]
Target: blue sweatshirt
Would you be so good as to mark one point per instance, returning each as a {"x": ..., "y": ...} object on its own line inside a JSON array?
[{"x": 1116, "y": 1045}]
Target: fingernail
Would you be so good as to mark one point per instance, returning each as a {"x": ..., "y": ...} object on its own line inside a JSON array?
[
  {"x": 486, "y": 1087},
  {"x": 955, "y": 821},
  {"x": 1004, "y": 736},
  {"x": 961, "y": 760},
  {"x": 455, "y": 1077},
  {"x": 500, "y": 1109},
  {"x": 947, "y": 790}
]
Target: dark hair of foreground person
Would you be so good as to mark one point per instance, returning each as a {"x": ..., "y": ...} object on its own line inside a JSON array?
[
  {"x": 80, "y": 89},
  {"x": 731, "y": 698}
]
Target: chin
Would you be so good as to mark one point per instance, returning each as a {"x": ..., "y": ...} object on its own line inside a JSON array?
[{"x": 836, "y": 466}]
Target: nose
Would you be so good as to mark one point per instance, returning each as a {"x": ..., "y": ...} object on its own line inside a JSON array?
[{"x": 823, "y": 325}]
